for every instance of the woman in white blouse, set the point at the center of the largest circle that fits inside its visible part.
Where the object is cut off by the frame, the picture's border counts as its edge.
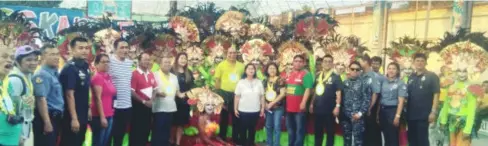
(249, 104)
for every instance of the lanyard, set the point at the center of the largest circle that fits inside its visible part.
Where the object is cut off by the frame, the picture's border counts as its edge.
(271, 84)
(327, 76)
(163, 78)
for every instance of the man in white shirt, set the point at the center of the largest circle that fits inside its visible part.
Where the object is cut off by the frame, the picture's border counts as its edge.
(164, 105)
(121, 72)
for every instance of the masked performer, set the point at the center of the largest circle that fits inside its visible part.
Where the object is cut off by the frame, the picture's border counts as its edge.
(208, 104)
(459, 109)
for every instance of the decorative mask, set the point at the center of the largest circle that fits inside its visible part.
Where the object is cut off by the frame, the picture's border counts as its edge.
(207, 101)
(195, 55)
(467, 59)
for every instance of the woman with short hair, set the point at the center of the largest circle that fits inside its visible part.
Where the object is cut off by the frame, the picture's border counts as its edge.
(249, 104)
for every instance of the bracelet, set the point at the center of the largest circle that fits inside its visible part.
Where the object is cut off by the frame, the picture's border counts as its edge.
(338, 105)
(144, 102)
(397, 115)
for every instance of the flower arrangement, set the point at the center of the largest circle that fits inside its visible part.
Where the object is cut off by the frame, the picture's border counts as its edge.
(211, 128)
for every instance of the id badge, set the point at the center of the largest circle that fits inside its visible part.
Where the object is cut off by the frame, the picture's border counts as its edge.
(233, 77)
(169, 90)
(320, 89)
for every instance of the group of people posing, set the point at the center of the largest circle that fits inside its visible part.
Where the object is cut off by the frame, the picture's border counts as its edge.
(58, 107)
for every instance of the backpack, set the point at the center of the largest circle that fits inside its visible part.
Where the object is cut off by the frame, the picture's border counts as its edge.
(24, 89)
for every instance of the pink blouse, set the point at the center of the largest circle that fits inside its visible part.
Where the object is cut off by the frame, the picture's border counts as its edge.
(103, 80)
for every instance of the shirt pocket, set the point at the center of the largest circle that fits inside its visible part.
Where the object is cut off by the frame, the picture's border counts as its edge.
(57, 87)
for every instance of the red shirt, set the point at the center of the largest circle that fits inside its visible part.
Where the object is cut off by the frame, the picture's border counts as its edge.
(143, 81)
(296, 84)
(108, 92)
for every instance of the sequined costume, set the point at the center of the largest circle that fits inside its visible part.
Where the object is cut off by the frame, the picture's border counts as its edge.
(458, 113)
(356, 100)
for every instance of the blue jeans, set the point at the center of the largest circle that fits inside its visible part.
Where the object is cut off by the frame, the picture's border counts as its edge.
(100, 135)
(295, 123)
(161, 129)
(273, 126)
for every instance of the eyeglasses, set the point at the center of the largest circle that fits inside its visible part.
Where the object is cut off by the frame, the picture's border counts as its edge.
(355, 69)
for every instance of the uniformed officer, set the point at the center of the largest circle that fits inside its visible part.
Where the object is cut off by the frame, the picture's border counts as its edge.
(394, 92)
(75, 81)
(355, 106)
(423, 97)
(49, 95)
(326, 102)
(373, 79)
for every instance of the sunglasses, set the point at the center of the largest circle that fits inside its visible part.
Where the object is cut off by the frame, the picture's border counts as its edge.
(355, 69)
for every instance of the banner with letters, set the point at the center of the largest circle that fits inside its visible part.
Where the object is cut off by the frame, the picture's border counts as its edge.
(52, 20)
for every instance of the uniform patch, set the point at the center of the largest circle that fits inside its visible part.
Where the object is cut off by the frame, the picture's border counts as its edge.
(38, 80)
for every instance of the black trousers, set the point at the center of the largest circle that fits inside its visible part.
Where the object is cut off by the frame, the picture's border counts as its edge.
(140, 124)
(322, 121)
(41, 139)
(224, 117)
(122, 118)
(247, 132)
(68, 137)
(372, 133)
(162, 128)
(418, 132)
(390, 132)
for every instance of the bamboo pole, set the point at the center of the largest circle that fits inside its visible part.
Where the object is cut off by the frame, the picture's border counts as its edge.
(385, 24)
(415, 21)
(427, 17)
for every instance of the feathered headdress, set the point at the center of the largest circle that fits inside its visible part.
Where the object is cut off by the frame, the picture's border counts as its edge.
(232, 23)
(185, 28)
(465, 51)
(205, 96)
(216, 47)
(309, 26)
(257, 30)
(343, 49)
(204, 15)
(254, 51)
(288, 51)
(404, 49)
(15, 31)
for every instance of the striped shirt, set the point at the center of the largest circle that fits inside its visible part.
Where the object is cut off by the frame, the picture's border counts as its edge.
(121, 72)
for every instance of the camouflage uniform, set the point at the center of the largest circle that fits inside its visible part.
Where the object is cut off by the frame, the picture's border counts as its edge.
(356, 99)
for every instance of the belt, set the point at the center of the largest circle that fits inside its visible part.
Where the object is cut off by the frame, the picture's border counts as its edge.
(388, 106)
